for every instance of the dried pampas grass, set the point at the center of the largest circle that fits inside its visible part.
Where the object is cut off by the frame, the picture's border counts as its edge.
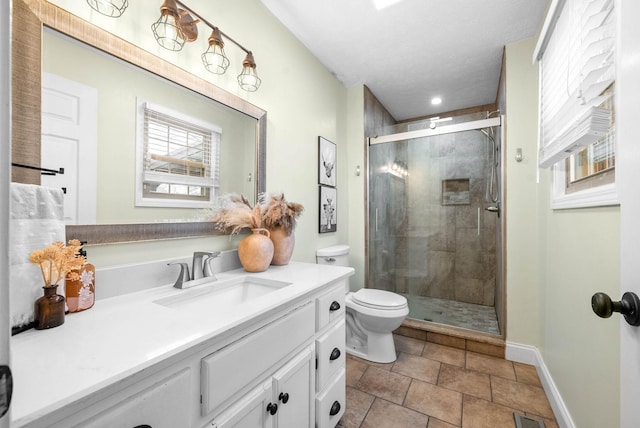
(233, 213)
(277, 212)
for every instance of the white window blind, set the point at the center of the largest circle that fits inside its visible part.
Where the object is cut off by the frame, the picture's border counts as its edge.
(577, 64)
(179, 158)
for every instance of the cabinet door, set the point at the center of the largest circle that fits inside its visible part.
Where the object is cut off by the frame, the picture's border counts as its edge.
(249, 412)
(293, 391)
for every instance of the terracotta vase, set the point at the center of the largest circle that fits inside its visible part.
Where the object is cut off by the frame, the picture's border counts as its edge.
(256, 251)
(49, 309)
(283, 244)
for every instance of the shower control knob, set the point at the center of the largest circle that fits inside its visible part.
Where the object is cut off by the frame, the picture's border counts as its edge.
(629, 307)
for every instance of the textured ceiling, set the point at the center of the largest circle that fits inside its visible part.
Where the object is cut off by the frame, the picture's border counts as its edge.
(413, 50)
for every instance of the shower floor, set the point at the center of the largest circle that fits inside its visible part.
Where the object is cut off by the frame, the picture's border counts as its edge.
(457, 314)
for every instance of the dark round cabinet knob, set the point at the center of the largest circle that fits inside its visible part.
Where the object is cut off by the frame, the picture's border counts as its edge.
(284, 397)
(629, 307)
(335, 408)
(334, 306)
(272, 408)
(143, 426)
(335, 354)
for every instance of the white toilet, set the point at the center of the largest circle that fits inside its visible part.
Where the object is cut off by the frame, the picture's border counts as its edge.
(372, 315)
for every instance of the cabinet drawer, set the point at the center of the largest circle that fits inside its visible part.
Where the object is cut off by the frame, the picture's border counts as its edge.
(330, 306)
(330, 352)
(226, 372)
(331, 403)
(163, 405)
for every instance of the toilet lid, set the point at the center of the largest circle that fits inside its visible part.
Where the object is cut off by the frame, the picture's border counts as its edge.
(379, 299)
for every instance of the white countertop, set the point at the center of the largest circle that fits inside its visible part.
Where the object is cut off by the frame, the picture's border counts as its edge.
(123, 335)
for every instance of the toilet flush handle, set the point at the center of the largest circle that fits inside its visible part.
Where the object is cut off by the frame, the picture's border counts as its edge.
(329, 259)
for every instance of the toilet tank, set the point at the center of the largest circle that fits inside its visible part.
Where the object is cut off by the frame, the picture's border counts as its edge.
(337, 255)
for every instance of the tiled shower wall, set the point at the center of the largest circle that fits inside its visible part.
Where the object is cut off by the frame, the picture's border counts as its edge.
(421, 246)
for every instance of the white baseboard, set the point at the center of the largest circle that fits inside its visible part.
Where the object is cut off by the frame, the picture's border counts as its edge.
(527, 354)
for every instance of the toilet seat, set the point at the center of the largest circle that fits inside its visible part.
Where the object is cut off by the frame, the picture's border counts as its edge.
(379, 299)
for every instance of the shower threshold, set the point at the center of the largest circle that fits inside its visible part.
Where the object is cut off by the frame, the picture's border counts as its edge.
(457, 314)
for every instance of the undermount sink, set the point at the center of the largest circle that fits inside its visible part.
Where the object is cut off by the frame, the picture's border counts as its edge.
(222, 294)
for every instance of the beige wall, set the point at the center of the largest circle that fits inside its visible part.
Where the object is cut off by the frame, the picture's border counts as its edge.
(302, 99)
(556, 260)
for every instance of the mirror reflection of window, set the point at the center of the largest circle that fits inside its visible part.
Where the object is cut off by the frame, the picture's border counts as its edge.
(178, 158)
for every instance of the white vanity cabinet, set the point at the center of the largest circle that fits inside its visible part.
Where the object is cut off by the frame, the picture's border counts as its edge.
(316, 374)
(278, 364)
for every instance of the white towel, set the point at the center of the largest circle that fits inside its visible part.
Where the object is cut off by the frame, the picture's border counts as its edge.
(37, 220)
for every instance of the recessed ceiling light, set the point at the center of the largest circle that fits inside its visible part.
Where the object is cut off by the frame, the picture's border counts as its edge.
(381, 4)
(436, 100)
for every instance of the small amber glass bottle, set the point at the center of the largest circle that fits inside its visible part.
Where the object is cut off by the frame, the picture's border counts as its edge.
(49, 309)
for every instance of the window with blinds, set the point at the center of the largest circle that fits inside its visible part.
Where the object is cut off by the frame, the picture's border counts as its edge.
(577, 66)
(178, 158)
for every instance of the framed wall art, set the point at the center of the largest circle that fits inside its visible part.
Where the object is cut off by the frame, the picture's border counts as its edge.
(328, 209)
(326, 162)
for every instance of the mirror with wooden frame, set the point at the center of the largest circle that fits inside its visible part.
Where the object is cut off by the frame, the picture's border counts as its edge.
(31, 18)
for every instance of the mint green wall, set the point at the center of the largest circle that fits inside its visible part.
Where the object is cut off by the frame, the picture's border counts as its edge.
(556, 260)
(302, 98)
(522, 197)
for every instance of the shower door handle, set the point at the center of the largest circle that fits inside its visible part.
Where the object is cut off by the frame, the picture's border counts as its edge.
(376, 221)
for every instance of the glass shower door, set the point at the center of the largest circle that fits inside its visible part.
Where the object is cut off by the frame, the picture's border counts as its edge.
(431, 238)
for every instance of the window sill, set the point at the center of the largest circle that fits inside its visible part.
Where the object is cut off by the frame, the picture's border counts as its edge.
(600, 196)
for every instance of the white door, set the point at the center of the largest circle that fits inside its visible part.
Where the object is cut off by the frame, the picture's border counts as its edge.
(628, 178)
(69, 141)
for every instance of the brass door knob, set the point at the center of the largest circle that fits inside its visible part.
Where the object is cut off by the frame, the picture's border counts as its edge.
(629, 307)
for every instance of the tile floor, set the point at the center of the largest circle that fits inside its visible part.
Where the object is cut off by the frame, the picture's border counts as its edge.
(436, 386)
(450, 312)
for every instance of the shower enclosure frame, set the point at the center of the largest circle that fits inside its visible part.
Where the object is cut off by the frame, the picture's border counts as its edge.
(501, 259)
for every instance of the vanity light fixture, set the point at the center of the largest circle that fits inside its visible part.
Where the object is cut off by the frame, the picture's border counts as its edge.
(177, 26)
(110, 8)
(174, 27)
(214, 58)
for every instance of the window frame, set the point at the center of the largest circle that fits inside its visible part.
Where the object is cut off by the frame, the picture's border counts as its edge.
(167, 201)
(599, 196)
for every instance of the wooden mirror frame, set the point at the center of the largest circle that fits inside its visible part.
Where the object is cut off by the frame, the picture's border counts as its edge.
(28, 19)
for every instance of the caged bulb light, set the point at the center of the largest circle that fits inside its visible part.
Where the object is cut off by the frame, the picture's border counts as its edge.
(248, 79)
(110, 8)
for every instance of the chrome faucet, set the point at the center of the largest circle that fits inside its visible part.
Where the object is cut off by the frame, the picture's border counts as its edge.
(201, 264)
(200, 268)
(184, 277)
(207, 270)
